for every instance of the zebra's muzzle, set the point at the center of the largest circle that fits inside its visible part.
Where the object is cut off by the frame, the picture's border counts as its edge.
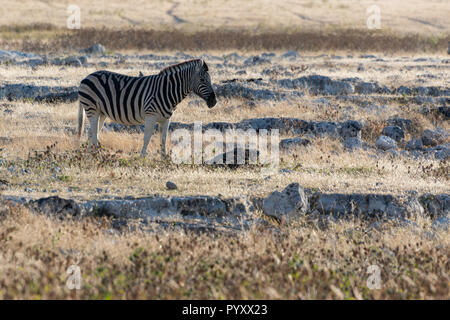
(211, 102)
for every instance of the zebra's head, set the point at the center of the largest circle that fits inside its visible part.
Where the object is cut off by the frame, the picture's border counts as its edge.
(201, 85)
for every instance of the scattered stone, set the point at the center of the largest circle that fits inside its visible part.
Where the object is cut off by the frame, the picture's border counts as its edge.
(413, 208)
(37, 62)
(268, 54)
(352, 144)
(290, 203)
(422, 91)
(436, 205)
(442, 154)
(14, 56)
(445, 111)
(414, 144)
(385, 143)
(171, 185)
(404, 90)
(367, 87)
(394, 132)
(294, 142)
(317, 84)
(441, 223)
(392, 152)
(256, 60)
(239, 89)
(368, 56)
(95, 49)
(290, 55)
(350, 129)
(405, 124)
(73, 62)
(434, 137)
(236, 157)
(83, 60)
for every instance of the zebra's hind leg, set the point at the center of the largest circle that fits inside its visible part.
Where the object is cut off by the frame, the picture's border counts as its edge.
(150, 122)
(101, 121)
(93, 128)
(163, 128)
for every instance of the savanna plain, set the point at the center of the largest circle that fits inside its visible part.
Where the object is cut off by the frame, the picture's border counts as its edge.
(357, 207)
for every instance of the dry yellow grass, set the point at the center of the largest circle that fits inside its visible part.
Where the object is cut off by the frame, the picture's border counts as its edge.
(417, 26)
(299, 261)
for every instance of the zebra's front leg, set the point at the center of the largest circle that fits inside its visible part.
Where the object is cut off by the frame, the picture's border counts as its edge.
(149, 128)
(163, 128)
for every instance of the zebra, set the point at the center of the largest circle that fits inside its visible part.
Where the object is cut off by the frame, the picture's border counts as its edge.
(141, 100)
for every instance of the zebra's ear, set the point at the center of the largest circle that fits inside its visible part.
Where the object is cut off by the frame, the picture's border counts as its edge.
(205, 66)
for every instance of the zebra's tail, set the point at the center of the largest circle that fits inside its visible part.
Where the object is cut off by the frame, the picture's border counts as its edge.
(80, 120)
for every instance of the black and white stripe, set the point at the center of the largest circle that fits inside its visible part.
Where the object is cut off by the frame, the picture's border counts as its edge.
(137, 100)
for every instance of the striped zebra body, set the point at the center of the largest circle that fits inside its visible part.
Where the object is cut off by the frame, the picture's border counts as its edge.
(141, 100)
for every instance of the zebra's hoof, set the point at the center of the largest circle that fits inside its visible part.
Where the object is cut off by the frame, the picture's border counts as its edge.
(164, 157)
(93, 149)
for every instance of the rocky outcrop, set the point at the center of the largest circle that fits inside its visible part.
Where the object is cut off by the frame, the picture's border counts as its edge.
(38, 93)
(294, 126)
(241, 212)
(56, 206)
(378, 206)
(350, 205)
(287, 204)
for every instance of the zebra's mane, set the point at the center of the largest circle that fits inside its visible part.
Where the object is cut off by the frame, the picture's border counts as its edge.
(180, 66)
